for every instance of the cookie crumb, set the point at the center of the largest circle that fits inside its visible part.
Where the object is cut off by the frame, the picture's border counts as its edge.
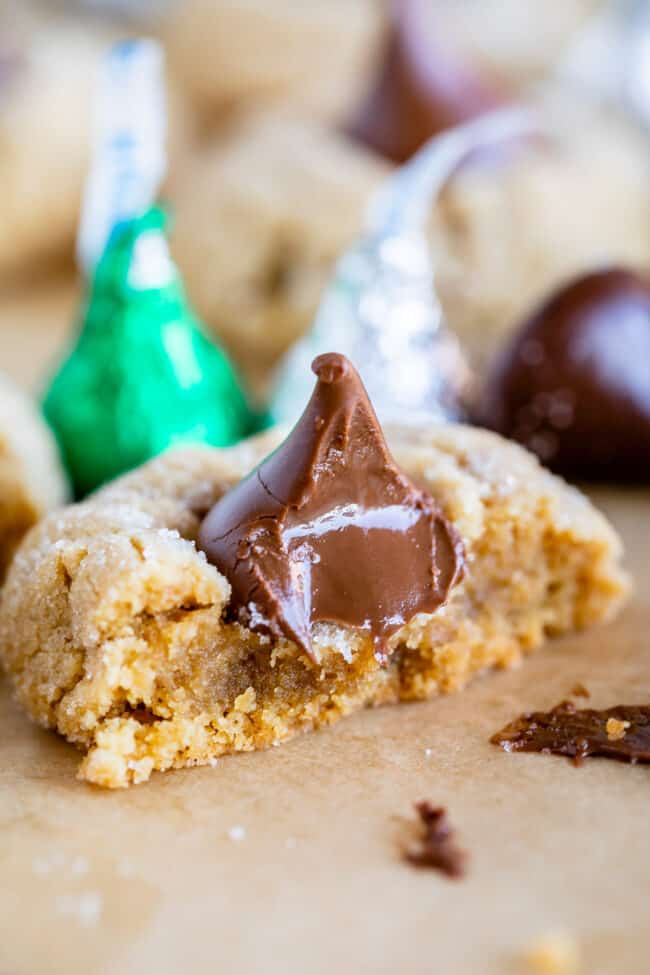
(437, 848)
(554, 954)
(246, 702)
(616, 729)
(579, 690)
(236, 833)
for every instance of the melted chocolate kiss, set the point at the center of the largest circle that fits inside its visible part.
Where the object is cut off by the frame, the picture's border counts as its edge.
(425, 86)
(621, 732)
(574, 385)
(329, 529)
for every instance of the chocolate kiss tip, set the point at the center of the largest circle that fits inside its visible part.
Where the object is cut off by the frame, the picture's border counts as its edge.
(331, 367)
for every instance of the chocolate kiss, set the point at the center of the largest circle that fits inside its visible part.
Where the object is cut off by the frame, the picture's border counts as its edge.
(329, 529)
(574, 385)
(424, 87)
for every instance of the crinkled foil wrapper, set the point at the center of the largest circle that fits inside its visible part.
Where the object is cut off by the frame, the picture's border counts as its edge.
(142, 376)
(382, 312)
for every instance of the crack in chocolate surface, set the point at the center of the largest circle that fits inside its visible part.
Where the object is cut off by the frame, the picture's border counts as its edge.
(437, 848)
(579, 733)
(329, 529)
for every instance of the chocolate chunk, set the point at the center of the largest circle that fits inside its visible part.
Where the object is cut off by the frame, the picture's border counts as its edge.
(437, 848)
(425, 86)
(574, 384)
(622, 733)
(329, 529)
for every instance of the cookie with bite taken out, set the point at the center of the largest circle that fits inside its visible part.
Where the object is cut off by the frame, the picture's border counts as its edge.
(219, 601)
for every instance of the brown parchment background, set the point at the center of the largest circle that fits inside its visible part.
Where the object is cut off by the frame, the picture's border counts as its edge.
(149, 880)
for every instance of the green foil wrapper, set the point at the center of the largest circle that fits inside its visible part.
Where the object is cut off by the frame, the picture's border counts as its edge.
(142, 376)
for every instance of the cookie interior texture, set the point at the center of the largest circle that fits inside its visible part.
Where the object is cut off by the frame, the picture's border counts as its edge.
(31, 477)
(112, 623)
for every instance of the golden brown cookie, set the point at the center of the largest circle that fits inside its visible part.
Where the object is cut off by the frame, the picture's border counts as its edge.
(315, 53)
(112, 623)
(31, 477)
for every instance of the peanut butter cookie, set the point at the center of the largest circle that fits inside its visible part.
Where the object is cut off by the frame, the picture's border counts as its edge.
(115, 630)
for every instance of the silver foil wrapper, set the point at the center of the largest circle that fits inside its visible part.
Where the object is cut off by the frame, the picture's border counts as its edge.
(382, 313)
(381, 309)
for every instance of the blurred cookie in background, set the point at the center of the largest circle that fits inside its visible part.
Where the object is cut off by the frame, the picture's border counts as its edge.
(325, 56)
(48, 67)
(44, 140)
(507, 234)
(31, 476)
(316, 54)
(264, 213)
(522, 39)
(261, 219)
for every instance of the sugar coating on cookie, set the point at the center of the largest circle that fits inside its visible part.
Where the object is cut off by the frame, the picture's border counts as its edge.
(112, 624)
(31, 477)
